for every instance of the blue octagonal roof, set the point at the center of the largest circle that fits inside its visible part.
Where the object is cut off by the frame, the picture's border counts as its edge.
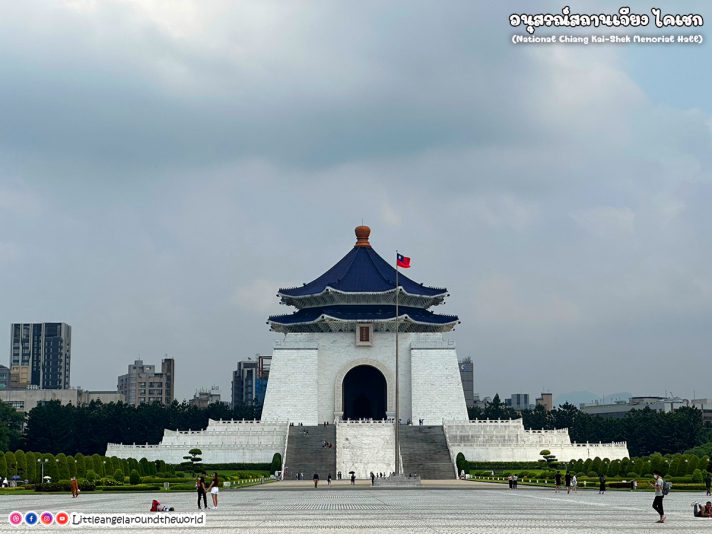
(362, 270)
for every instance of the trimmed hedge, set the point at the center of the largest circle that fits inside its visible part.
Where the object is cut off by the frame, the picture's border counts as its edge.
(137, 487)
(63, 485)
(224, 467)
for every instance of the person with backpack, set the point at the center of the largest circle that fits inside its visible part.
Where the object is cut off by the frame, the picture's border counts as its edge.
(661, 489)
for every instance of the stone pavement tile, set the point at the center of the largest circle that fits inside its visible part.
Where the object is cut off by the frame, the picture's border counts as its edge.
(462, 509)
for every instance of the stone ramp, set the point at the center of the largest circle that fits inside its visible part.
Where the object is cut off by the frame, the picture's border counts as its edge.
(306, 455)
(424, 451)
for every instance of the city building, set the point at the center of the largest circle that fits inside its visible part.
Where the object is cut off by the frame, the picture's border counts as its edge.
(40, 355)
(362, 333)
(467, 375)
(24, 400)
(4, 377)
(142, 384)
(205, 397)
(519, 402)
(618, 409)
(546, 400)
(705, 405)
(249, 380)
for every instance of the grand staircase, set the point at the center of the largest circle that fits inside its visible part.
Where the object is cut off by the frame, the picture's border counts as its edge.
(424, 452)
(306, 455)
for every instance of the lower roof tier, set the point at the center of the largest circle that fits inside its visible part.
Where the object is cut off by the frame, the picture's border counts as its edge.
(345, 318)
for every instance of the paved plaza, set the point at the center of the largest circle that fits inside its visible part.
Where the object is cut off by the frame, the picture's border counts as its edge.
(449, 507)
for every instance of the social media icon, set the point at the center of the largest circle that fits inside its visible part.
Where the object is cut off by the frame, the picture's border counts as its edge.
(15, 518)
(62, 518)
(31, 518)
(46, 518)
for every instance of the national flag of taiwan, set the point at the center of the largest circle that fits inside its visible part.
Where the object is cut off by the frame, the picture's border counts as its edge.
(402, 261)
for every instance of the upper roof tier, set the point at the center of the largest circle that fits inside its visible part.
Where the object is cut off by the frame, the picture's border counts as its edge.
(362, 277)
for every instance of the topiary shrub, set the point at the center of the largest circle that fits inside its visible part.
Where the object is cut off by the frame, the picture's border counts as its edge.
(119, 476)
(91, 475)
(697, 475)
(134, 477)
(276, 463)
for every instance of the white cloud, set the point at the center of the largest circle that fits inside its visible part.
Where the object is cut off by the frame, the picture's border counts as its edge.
(606, 221)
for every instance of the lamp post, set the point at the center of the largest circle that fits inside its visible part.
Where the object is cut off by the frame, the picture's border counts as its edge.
(42, 462)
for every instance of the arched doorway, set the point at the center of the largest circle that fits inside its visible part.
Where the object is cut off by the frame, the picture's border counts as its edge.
(364, 391)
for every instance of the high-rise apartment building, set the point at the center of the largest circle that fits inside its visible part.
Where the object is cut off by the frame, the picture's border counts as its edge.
(40, 355)
(142, 384)
(467, 375)
(4, 377)
(546, 400)
(249, 380)
(518, 401)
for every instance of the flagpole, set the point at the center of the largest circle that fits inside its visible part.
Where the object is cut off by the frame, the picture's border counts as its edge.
(397, 444)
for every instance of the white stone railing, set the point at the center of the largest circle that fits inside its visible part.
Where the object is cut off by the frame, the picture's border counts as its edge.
(612, 444)
(177, 446)
(366, 422)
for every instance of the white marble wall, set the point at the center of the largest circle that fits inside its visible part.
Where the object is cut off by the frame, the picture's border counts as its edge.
(293, 387)
(365, 447)
(220, 442)
(437, 393)
(308, 370)
(508, 441)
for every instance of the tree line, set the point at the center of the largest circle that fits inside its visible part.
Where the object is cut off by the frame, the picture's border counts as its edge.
(646, 431)
(54, 428)
(33, 466)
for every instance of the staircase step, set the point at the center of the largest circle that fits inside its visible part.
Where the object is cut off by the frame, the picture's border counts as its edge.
(424, 451)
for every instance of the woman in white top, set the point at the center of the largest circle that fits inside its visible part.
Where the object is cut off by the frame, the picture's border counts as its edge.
(214, 490)
(574, 483)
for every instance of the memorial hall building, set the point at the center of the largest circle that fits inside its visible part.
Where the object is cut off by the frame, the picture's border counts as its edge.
(333, 379)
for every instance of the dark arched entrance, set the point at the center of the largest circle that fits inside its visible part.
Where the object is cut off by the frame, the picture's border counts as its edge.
(364, 390)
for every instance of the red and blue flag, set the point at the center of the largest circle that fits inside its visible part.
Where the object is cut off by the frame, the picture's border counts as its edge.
(402, 261)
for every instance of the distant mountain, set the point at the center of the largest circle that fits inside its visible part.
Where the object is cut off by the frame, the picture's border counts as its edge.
(579, 397)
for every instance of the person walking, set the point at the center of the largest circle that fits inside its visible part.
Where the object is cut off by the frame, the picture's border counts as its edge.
(708, 483)
(557, 482)
(567, 482)
(373, 479)
(515, 481)
(200, 487)
(574, 483)
(353, 478)
(315, 478)
(659, 486)
(214, 490)
(75, 487)
(328, 480)
(601, 484)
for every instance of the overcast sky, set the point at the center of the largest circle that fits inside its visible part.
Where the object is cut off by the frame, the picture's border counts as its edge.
(166, 166)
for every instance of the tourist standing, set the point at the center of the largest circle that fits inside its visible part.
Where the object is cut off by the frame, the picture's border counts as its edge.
(373, 479)
(509, 479)
(515, 481)
(353, 478)
(574, 483)
(328, 480)
(708, 482)
(659, 485)
(557, 482)
(601, 484)
(315, 478)
(75, 487)
(567, 482)
(214, 490)
(200, 487)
